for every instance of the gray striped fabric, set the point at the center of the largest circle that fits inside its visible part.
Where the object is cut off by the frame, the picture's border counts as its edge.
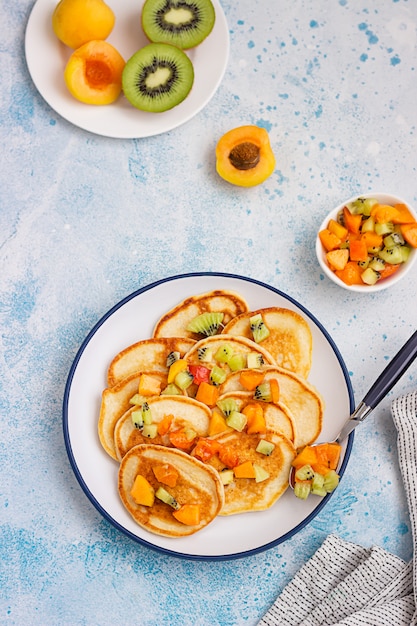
(344, 584)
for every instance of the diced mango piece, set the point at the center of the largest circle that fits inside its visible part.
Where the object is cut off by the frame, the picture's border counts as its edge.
(337, 259)
(178, 366)
(188, 514)
(149, 385)
(244, 470)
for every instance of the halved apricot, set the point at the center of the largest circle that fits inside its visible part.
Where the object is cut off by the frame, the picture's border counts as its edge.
(93, 73)
(244, 156)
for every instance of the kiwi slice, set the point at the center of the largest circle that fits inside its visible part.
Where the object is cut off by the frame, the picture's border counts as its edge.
(182, 23)
(157, 77)
(207, 323)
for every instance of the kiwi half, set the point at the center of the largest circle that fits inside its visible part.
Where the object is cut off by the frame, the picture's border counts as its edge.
(182, 23)
(157, 77)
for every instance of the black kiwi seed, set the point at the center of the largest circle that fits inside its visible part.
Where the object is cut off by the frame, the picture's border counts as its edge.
(183, 23)
(157, 77)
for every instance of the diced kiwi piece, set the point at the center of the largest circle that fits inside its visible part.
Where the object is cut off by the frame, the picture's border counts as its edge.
(261, 473)
(227, 405)
(258, 328)
(150, 431)
(302, 490)
(173, 356)
(137, 419)
(368, 225)
(137, 399)
(227, 476)
(165, 496)
(265, 447)
(157, 77)
(317, 485)
(236, 420)
(263, 392)
(254, 360)
(184, 23)
(405, 252)
(171, 390)
(217, 376)
(331, 481)
(237, 362)
(362, 205)
(377, 264)
(384, 229)
(183, 379)
(394, 239)
(305, 472)
(205, 354)
(364, 264)
(223, 353)
(391, 255)
(370, 276)
(146, 413)
(207, 324)
(190, 434)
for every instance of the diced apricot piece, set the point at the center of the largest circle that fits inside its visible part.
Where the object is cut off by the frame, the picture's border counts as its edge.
(351, 274)
(166, 474)
(337, 229)
(256, 420)
(389, 270)
(188, 514)
(244, 470)
(178, 366)
(337, 259)
(372, 240)
(149, 385)
(383, 213)
(165, 424)
(93, 73)
(352, 220)
(404, 215)
(409, 232)
(307, 456)
(142, 491)
(329, 240)
(358, 250)
(207, 394)
(250, 379)
(217, 424)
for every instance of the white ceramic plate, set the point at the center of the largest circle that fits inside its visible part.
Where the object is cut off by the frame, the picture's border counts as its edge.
(46, 58)
(133, 319)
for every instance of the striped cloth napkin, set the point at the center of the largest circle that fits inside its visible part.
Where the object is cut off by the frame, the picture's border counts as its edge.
(344, 584)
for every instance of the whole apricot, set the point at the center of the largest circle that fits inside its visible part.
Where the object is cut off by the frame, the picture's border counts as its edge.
(93, 73)
(75, 22)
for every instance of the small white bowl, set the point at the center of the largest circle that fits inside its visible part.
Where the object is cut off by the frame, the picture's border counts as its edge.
(383, 198)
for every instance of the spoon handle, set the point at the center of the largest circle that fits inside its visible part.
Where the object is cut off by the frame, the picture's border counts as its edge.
(383, 384)
(392, 373)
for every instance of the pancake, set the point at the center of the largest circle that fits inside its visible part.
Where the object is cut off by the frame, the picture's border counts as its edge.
(197, 484)
(186, 413)
(115, 401)
(302, 399)
(290, 340)
(148, 354)
(245, 495)
(240, 345)
(174, 322)
(278, 417)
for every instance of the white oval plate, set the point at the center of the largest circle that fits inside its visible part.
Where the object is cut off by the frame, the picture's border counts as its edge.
(46, 58)
(133, 319)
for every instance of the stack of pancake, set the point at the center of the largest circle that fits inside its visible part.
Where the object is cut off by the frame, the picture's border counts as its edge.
(181, 421)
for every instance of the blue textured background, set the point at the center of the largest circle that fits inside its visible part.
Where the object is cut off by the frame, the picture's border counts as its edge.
(86, 220)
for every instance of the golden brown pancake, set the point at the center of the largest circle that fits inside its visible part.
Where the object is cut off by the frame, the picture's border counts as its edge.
(245, 495)
(239, 344)
(290, 340)
(302, 399)
(146, 355)
(115, 401)
(278, 417)
(197, 484)
(186, 412)
(174, 323)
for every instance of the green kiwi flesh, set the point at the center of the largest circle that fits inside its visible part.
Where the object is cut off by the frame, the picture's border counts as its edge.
(182, 23)
(157, 77)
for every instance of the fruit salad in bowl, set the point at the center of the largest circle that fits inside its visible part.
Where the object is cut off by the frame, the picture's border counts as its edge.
(368, 243)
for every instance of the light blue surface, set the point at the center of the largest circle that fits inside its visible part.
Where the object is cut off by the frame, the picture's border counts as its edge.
(86, 220)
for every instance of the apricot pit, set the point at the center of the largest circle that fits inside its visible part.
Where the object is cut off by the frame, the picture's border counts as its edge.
(93, 73)
(244, 156)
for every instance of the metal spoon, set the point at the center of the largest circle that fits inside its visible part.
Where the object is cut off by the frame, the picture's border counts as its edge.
(383, 384)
